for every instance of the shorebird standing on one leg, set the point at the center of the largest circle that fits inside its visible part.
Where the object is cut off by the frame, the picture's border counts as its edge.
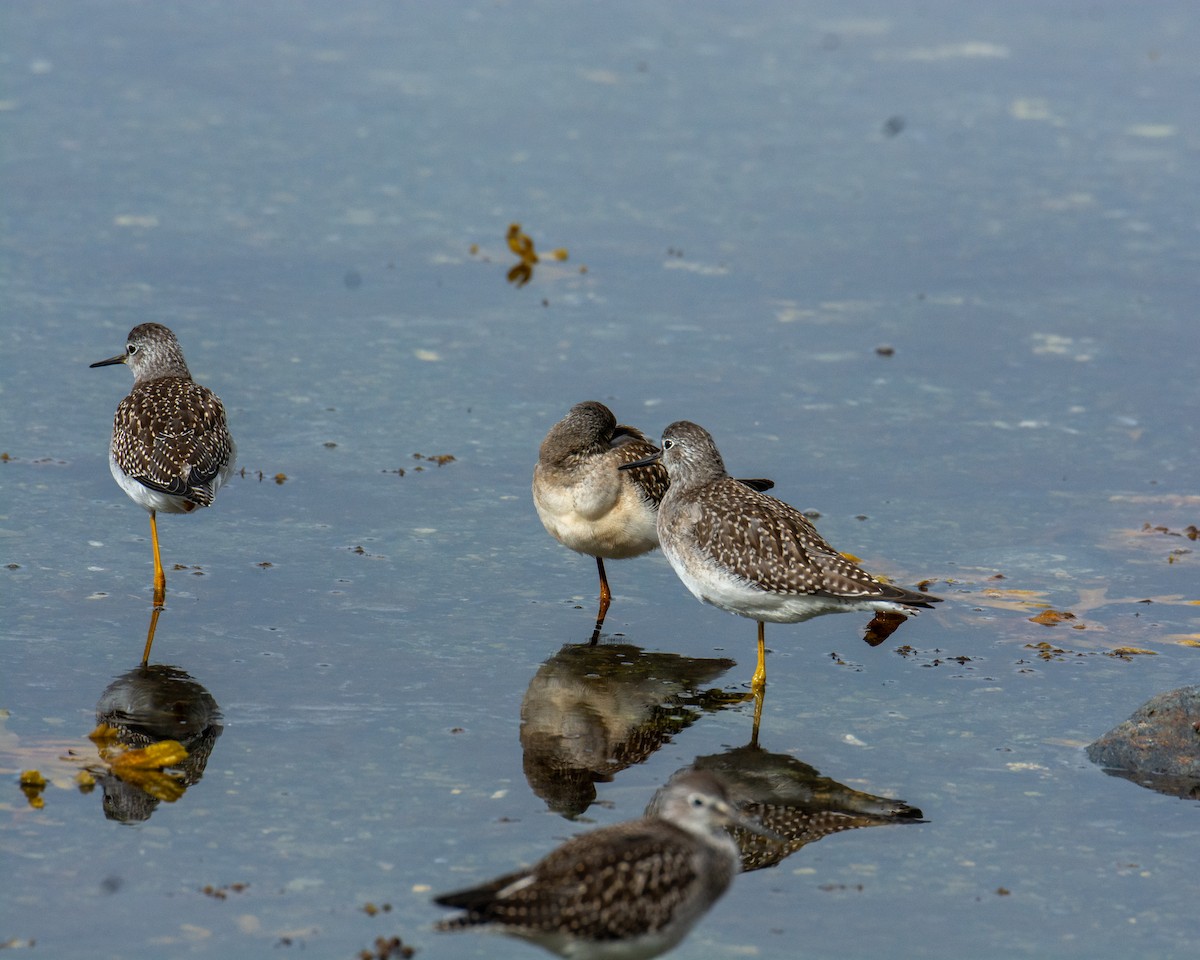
(753, 555)
(171, 449)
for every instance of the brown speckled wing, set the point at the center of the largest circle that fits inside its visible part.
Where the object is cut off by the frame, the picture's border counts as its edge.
(170, 435)
(585, 887)
(776, 547)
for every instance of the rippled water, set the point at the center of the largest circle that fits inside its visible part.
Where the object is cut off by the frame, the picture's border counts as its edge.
(754, 201)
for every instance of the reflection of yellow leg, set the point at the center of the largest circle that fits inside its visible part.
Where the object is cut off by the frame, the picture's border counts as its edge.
(759, 683)
(160, 578)
(758, 705)
(150, 634)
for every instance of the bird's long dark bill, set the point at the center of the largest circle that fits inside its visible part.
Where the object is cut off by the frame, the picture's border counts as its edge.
(644, 462)
(119, 358)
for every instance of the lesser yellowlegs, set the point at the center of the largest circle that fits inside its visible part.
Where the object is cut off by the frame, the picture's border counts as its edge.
(631, 890)
(753, 555)
(590, 494)
(171, 449)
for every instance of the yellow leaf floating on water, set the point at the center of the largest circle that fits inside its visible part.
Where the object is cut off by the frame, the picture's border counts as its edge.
(882, 626)
(1047, 651)
(32, 785)
(1051, 617)
(521, 243)
(1126, 652)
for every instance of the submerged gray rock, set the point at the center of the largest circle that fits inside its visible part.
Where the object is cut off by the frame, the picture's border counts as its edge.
(1158, 746)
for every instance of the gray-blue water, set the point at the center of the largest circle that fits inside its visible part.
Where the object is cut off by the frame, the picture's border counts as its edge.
(755, 198)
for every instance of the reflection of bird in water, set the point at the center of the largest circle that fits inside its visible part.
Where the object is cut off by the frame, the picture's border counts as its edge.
(592, 711)
(148, 705)
(753, 555)
(171, 449)
(631, 890)
(793, 801)
(589, 496)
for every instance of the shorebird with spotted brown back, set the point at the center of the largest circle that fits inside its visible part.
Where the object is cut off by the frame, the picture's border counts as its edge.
(624, 892)
(753, 555)
(171, 449)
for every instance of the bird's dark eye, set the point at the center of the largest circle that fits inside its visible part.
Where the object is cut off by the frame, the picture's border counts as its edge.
(131, 349)
(697, 800)
(668, 444)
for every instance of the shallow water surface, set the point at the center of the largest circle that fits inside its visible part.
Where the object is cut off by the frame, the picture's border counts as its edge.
(933, 271)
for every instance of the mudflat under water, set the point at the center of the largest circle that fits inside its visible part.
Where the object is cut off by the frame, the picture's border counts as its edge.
(933, 271)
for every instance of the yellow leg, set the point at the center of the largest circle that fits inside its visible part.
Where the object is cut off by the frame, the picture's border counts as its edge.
(759, 683)
(150, 635)
(160, 578)
(605, 600)
(605, 593)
